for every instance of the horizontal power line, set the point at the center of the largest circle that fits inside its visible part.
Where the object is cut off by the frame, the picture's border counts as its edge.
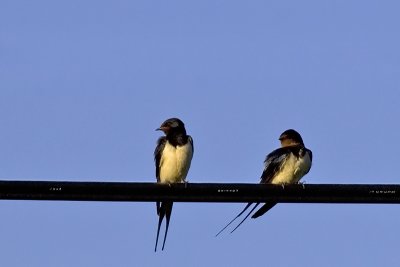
(199, 192)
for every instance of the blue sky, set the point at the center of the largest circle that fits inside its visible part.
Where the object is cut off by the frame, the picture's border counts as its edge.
(83, 85)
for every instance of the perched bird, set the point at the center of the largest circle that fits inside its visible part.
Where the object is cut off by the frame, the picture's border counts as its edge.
(172, 157)
(285, 165)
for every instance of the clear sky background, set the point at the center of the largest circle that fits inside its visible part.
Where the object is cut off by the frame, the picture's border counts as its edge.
(83, 85)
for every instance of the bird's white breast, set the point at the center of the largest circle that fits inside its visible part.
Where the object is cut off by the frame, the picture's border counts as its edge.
(293, 169)
(175, 163)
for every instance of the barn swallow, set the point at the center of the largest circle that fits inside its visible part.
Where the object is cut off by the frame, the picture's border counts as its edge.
(285, 165)
(172, 156)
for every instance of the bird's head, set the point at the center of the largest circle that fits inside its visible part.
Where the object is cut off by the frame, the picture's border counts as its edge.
(290, 138)
(173, 125)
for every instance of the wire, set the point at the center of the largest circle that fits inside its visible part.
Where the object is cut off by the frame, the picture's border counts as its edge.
(200, 192)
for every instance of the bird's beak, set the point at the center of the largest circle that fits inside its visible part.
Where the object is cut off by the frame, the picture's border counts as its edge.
(162, 129)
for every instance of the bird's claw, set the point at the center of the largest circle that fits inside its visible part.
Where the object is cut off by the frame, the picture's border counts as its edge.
(302, 184)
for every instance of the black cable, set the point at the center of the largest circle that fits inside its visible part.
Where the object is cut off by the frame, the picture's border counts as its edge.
(200, 192)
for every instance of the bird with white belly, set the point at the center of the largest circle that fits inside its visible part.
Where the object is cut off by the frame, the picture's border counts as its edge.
(172, 156)
(285, 165)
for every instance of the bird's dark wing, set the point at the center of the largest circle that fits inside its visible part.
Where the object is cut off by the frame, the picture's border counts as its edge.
(157, 154)
(157, 159)
(266, 207)
(310, 154)
(190, 139)
(273, 163)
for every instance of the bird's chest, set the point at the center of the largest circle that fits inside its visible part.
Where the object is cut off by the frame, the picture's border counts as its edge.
(175, 163)
(293, 169)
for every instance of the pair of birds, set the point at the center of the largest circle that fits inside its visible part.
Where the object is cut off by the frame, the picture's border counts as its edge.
(174, 152)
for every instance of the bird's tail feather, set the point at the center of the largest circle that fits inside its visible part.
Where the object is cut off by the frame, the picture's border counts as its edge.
(158, 207)
(161, 214)
(245, 217)
(168, 211)
(237, 216)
